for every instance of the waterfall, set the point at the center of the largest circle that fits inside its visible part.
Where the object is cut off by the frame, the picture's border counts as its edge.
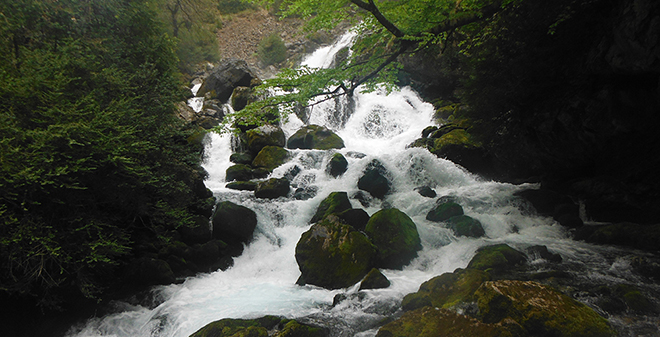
(262, 280)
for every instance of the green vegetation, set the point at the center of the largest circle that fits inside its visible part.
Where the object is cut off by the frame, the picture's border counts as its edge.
(271, 49)
(92, 157)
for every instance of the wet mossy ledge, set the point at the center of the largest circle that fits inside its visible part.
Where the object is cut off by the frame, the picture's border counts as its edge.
(267, 326)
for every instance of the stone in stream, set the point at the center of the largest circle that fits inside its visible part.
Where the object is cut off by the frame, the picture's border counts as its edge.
(375, 180)
(396, 237)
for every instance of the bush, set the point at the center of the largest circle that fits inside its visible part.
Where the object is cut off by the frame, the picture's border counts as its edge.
(272, 50)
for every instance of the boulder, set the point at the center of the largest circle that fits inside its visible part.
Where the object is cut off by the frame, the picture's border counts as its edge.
(233, 223)
(463, 225)
(229, 74)
(543, 253)
(337, 165)
(496, 259)
(241, 97)
(374, 280)
(242, 185)
(259, 327)
(446, 290)
(315, 137)
(539, 309)
(272, 188)
(396, 237)
(444, 211)
(332, 255)
(200, 232)
(264, 136)
(241, 158)
(426, 191)
(149, 271)
(238, 172)
(375, 180)
(335, 202)
(434, 322)
(355, 217)
(270, 157)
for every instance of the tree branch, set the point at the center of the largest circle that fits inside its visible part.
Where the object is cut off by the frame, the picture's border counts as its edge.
(371, 7)
(483, 13)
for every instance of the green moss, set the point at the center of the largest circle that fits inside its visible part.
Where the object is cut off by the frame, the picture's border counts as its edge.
(232, 327)
(270, 157)
(295, 329)
(540, 309)
(496, 258)
(463, 225)
(335, 202)
(633, 298)
(444, 211)
(447, 290)
(396, 237)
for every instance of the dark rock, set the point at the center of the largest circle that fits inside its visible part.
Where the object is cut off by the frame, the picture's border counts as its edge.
(396, 237)
(270, 157)
(624, 234)
(149, 271)
(444, 211)
(335, 202)
(541, 310)
(446, 290)
(241, 158)
(374, 280)
(315, 137)
(426, 191)
(260, 172)
(198, 233)
(542, 252)
(241, 97)
(272, 188)
(242, 185)
(545, 201)
(496, 259)
(305, 193)
(337, 165)
(266, 135)
(428, 130)
(355, 217)
(229, 74)
(375, 180)
(463, 225)
(233, 223)
(332, 255)
(260, 327)
(364, 199)
(292, 172)
(238, 172)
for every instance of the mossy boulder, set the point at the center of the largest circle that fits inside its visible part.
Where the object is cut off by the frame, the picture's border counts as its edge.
(242, 185)
(426, 191)
(624, 234)
(634, 299)
(355, 217)
(241, 97)
(542, 252)
(434, 322)
(332, 255)
(444, 211)
(540, 309)
(270, 157)
(240, 172)
(293, 328)
(374, 280)
(396, 237)
(446, 290)
(315, 137)
(229, 74)
(260, 327)
(463, 225)
(496, 258)
(337, 165)
(241, 158)
(233, 223)
(272, 188)
(375, 180)
(265, 135)
(335, 202)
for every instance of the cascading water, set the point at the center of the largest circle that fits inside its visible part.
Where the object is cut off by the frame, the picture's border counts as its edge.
(262, 280)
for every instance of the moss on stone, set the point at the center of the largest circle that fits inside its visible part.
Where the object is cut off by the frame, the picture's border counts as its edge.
(496, 258)
(634, 299)
(396, 237)
(315, 137)
(270, 157)
(335, 202)
(463, 225)
(444, 211)
(295, 329)
(374, 280)
(446, 290)
(232, 327)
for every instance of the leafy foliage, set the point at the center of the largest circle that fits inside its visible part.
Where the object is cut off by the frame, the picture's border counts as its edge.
(271, 49)
(91, 154)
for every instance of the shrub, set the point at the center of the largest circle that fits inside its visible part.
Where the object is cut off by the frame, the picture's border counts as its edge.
(271, 49)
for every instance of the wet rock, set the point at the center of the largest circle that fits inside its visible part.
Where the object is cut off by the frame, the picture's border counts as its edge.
(463, 225)
(332, 255)
(241, 97)
(434, 322)
(335, 202)
(426, 191)
(242, 185)
(541, 310)
(374, 280)
(270, 157)
(375, 180)
(446, 290)
(229, 74)
(260, 327)
(241, 158)
(624, 234)
(315, 137)
(545, 201)
(542, 252)
(355, 217)
(272, 188)
(305, 193)
(444, 211)
(337, 165)
(233, 223)
(634, 299)
(292, 172)
(149, 271)
(428, 130)
(496, 259)
(198, 233)
(396, 237)
(238, 172)
(266, 135)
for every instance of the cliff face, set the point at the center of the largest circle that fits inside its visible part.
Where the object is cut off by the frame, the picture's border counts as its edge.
(585, 113)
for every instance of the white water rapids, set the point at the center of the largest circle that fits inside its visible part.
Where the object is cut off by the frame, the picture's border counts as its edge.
(262, 280)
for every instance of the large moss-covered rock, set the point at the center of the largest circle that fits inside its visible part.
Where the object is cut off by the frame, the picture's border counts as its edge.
(496, 258)
(374, 280)
(233, 223)
(238, 172)
(463, 225)
(260, 327)
(229, 74)
(355, 217)
(315, 137)
(396, 237)
(541, 310)
(242, 185)
(375, 180)
(333, 255)
(335, 202)
(270, 157)
(337, 165)
(293, 328)
(444, 211)
(240, 97)
(266, 135)
(434, 322)
(272, 188)
(446, 290)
